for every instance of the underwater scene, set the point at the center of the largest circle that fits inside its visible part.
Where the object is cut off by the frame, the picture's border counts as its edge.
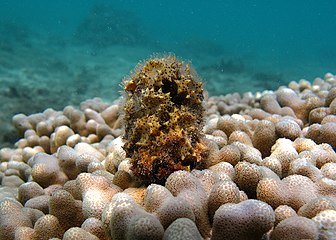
(130, 119)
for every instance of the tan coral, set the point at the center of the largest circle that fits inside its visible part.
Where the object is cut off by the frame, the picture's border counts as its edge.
(67, 160)
(326, 187)
(224, 170)
(68, 210)
(323, 133)
(247, 177)
(318, 114)
(284, 151)
(295, 228)
(46, 170)
(250, 219)
(329, 170)
(21, 123)
(270, 104)
(219, 137)
(97, 192)
(25, 233)
(59, 137)
(207, 178)
(12, 217)
(248, 153)
(303, 144)
(85, 148)
(283, 212)
(128, 220)
(273, 164)
(95, 227)
(165, 206)
(228, 153)
(39, 202)
(287, 128)
(315, 206)
(172, 209)
(182, 228)
(287, 97)
(78, 233)
(72, 187)
(264, 137)
(145, 226)
(84, 160)
(221, 193)
(326, 223)
(294, 191)
(304, 167)
(185, 185)
(110, 115)
(48, 227)
(229, 124)
(137, 193)
(240, 136)
(324, 153)
(331, 96)
(155, 196)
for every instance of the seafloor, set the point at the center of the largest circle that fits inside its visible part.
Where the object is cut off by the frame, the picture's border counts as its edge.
(270, 174)
(39, 71)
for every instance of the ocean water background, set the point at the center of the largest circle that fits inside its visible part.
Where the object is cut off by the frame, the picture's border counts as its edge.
(56, 53)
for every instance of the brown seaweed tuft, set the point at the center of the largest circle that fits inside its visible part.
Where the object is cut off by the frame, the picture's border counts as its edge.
(163, 115)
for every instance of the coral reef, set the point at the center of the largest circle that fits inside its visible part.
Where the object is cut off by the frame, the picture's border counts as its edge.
(270, 171)
(163, 116)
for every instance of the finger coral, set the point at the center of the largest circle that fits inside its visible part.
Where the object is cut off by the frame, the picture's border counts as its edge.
(294, 191)
(182, 228)
(326, 223)
(129, 221)
(163, 116)
(78, 233)
(141, 167)
(251, 218)
(283, 212)
(11, 217)
(295, 228)
(188, 187)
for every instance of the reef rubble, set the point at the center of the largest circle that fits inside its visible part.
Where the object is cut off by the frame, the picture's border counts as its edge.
(270, 173)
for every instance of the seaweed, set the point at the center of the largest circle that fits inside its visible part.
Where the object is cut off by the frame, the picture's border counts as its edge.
(163, 117)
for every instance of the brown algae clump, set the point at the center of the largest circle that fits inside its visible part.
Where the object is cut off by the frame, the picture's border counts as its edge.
(163, 114)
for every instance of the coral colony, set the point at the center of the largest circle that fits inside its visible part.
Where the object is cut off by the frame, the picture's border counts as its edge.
(164, 162)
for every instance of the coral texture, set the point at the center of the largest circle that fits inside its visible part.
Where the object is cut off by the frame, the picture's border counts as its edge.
(270, 172)
(163, 118)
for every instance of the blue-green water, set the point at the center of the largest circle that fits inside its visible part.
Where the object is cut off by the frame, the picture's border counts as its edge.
(88, 46)
(290, 38)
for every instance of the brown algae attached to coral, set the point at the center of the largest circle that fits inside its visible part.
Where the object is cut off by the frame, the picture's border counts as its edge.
(163, 116)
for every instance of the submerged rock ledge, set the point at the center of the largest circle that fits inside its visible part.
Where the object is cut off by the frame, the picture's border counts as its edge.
(271, 173)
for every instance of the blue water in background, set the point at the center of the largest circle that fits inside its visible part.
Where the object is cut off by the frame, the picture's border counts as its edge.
(289, 39)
